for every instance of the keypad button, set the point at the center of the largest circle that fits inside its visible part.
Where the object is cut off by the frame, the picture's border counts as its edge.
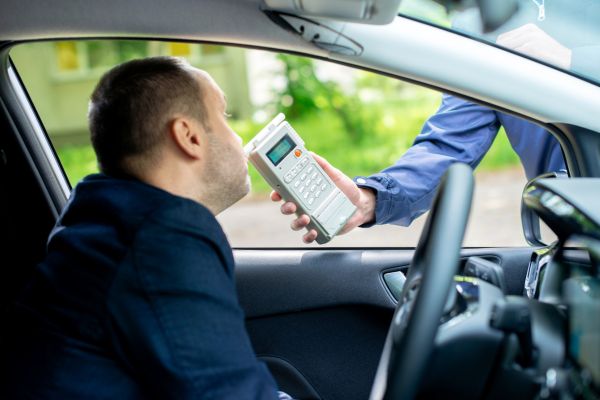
(307, 182)
(310, 169)
(323, 187)
(305, 195)
(313, 188)
(303, 177)
(301, 189)
(317, 193)
(288, 177)
(319, 181)
(296, 184)
(314, 176)
(311, 200)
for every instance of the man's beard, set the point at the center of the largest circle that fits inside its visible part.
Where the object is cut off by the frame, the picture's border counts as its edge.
(225, 185)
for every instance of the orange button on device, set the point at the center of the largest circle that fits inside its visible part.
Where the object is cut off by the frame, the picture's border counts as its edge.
(298, 152)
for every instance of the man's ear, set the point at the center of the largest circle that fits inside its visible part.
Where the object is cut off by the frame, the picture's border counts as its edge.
(186, 135)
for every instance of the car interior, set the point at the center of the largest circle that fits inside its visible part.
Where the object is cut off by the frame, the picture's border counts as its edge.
(435, 321)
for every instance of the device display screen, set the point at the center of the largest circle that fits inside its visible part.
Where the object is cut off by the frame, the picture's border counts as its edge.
(280, 150)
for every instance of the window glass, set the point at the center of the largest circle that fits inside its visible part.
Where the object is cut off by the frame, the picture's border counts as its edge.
(359, 121)
(561, 33)
(67, 58)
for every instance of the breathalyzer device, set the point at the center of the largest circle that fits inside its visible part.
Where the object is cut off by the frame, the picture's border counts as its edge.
(279, 155)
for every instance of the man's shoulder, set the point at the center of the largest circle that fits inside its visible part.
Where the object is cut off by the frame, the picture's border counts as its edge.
(183, 229)
(187, 217)
(183, 213)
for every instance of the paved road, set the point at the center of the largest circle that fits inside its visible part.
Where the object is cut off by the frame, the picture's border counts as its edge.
(495, 220)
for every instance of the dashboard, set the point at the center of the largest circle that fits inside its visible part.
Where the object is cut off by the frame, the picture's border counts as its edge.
(545, 342)
(566, 274)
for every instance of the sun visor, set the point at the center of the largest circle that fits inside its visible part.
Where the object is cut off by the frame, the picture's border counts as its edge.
(375, 12)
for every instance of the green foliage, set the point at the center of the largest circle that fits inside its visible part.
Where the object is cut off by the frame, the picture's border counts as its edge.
(77, 161)
(302, 89)
(500, 154)
(305, 94)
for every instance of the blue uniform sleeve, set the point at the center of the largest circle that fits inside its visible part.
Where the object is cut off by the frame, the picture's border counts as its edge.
(177, 323)
(460, 131)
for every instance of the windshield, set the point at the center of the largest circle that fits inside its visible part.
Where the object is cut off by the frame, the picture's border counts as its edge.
(561, 33)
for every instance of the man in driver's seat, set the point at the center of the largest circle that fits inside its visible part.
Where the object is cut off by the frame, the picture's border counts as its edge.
(136, 297)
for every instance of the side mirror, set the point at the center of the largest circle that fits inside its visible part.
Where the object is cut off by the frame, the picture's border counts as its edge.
(529, 219)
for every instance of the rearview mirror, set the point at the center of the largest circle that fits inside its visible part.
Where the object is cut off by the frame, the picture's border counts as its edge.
(493, 13)
(376, 12)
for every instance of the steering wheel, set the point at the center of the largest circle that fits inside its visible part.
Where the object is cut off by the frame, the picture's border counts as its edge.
(430, 275)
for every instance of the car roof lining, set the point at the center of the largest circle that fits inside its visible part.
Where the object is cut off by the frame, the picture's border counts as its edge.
(226, 21)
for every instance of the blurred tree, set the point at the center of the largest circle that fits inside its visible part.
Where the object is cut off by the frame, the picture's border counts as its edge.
(305, 94)
(298, 96)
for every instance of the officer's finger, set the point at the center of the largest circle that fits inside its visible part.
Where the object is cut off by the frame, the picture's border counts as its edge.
(275, 196)
(288, 208)
(310, 236)
(328, 168)
(300, 222)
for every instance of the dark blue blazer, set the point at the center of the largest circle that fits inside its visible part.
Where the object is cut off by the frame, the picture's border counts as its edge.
(135, 299)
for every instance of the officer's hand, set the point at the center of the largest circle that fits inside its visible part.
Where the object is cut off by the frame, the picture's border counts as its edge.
(532, 41)
(363, 199)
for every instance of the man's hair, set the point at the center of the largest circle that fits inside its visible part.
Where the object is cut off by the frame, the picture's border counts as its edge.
(132, 105)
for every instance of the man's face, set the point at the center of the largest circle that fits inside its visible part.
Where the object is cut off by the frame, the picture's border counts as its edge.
(225, 169)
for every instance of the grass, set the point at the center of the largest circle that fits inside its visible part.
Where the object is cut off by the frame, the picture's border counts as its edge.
(392, 133)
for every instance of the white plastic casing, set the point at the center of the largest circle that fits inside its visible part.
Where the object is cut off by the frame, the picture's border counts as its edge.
(279, 155)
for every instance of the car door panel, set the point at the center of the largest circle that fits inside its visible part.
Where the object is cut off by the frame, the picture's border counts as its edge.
(319, 318)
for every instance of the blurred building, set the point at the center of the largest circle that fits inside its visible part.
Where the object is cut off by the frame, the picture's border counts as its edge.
(61, 90)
